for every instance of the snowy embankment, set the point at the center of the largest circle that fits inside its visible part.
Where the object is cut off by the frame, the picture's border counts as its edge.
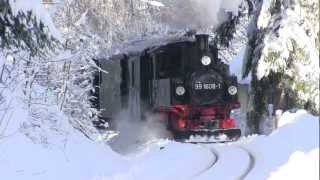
(49, 150)
(291, 152)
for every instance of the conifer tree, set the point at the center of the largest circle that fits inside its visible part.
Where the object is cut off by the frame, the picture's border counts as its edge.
(284, 57)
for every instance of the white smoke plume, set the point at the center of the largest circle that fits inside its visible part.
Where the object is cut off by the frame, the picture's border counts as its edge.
(197, 14)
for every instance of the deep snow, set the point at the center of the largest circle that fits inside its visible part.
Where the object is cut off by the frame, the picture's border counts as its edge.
(295, 145)
(51, 150)
(291, 152)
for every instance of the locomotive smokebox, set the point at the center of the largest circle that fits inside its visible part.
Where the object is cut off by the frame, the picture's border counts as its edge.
(202, 41)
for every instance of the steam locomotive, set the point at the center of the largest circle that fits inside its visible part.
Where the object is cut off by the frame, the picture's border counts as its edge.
(184, 82)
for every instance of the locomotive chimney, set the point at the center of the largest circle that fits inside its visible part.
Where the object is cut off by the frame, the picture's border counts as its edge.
(202, 41)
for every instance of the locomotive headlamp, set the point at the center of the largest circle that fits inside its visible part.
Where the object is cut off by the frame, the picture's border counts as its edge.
(206, 60)
(232, 90)
(180, 90)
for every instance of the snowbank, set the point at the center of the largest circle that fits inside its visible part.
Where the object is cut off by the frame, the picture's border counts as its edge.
(49, 149)
(291, 152)
(78, 159)
(166, 161)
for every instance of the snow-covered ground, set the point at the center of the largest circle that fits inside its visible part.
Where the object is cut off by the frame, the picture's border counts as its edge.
(52, 150)
(293, 146)
(48, 150)
(291, 152)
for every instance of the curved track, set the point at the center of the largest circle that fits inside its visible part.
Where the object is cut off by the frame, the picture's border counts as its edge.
(217, 157)
(211, 164)
(251, 163)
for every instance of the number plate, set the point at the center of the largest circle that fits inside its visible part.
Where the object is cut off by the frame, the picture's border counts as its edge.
(207, 86)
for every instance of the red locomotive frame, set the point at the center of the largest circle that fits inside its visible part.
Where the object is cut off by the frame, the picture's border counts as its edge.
(186, 120)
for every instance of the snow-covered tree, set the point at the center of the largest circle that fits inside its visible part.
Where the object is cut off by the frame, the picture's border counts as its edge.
(233, 34)
(34, 61)
(111, 22)
(284, 56)
(25, 45)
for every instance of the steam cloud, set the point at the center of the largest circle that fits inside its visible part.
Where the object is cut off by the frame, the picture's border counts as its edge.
(197, 14)
(135, 133)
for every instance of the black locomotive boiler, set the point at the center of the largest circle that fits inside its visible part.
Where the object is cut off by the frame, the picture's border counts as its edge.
(184, 81)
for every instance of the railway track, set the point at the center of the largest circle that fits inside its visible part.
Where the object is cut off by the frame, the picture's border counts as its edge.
(211, 164)
(250, 166)
(216, 159)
